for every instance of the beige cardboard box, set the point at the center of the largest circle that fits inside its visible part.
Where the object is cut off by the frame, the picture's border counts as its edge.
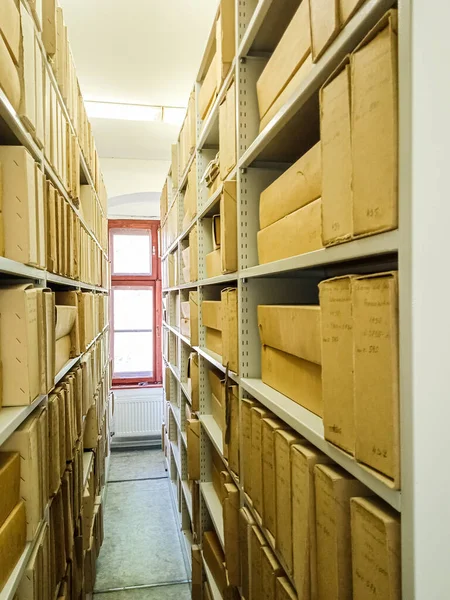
(193, 448)
(215, 559)
(9, 75)
(298, 379)
(230, 343)
(214, 263)
(52, 247)
(258, 414)
(12, 541)
(289, 55)
(9, 483)
(53, 432)
(19, 205)
(197, 573)
(334, 489)
(10, 28)
(246, 522)
(299, 232)
(231, 533)
(335, 130)
(269, 426)
(193, 377)
(208, 89)
(213, 341)
(190, 196)
(375, 326)
(292, 329)
(257, 542)
(193, 312)
(227, 133)
(290, 88)
(375, 129)
(186, 257)
(298, 186)
(270, 571)
(337, 362)
(62, 352)
(246, 425)
(225, 39)
(193, 245)
(27, 110)
(26, 441)
(228, 228)
(376, 549)
(283, 477)
(284, 590)
(185, 327)
(212, 314)
(19, 345)
(327, 20)
(304, 457)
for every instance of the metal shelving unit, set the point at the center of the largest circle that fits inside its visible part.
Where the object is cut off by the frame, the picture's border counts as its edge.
(417, 249)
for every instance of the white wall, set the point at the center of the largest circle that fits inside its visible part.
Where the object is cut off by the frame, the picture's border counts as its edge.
(134, 186)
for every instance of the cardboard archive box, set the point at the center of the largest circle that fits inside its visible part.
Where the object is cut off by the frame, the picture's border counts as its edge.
(27, 441)
(227, 132)
(190, 196)
(225, 39)
(246, 426)
(215, 559)
(193, 380)
(375, 327)
(291, 354)
(334, 489)
(269, 426)
(270, 571)
(289, 55)
(327, 20)
(212, 320)
(232, 427)
(376, 549)
(10, 47)
(283, 481)
(213, 262)
(230, 341)
(217, 386)
(22, 208)
(258, 414)
(228, 228)
(9, 483)
(294, 234)
(19, 335)
(208, 89)
(295, 188)
(197, 572)
(193, 245)
(246, 522)
(304, 457)
(193, 448)
(359, 144)
(193, 312)
(231, 532)
(12, 541)
(337, 362)
(375, 130)
(257, 543)
(335, 131)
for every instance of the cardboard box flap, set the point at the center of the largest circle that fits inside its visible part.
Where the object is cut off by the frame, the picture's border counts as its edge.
(292, 329)
(212, 314)
(325, 25)
(390, 19)
(65, 320)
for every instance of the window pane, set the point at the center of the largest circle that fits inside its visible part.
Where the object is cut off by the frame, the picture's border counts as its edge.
(132, 253)
(133, 309)
(133, 354)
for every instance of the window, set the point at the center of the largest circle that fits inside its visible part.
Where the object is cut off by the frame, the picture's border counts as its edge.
(135, 302)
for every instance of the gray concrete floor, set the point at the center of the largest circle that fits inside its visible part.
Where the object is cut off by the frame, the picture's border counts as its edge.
(141, 546)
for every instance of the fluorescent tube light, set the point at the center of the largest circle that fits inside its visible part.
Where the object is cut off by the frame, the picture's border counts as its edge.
(123, 112)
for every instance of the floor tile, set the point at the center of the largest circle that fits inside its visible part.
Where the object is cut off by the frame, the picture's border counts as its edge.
(141, 543)
(165, 592)
(128, 465)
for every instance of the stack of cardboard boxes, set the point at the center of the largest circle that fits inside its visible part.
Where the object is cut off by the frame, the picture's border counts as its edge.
(223, 258)
(219, 317)
(346, 186)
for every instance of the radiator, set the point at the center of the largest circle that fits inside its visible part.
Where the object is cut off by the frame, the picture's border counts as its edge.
(137, 416)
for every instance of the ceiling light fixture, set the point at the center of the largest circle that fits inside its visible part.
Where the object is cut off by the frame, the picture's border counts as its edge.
(135, 112)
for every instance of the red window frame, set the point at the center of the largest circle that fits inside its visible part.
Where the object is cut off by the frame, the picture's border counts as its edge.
(128, 280)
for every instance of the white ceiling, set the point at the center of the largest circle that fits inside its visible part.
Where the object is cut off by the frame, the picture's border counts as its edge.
(137, 52)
